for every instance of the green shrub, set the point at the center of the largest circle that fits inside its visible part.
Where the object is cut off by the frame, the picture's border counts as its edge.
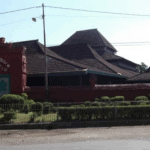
(148, 103)
(12, 99)
(125, 103)
(48, 103)
(46, 109)
(96, 99)
(103, 104)
(37, 107)
(81, 105)
(8, 116)
(51, 106)
(87, 103)
(75, 106)
(105, 99)
(105, 113)
(30, 102)
(112, 99)
(95, 103)
(141, 98)
(26, 108)
(24, 95)
(143, 103)
(45, 103)
(119, 98)
(66, 114)
(32, 117)
(54, 109)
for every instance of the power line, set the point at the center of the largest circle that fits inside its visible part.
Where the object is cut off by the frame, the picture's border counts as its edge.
(134, 45)
(93, 11)
(87, 16)
(132, 42)
(17, 21)
(65, 16)
(19, 10)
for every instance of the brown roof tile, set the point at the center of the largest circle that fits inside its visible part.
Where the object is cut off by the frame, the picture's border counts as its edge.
(84, 54)
(36, 59)
(141, 77)
(91, 37)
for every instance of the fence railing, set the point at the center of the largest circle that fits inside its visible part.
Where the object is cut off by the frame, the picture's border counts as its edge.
(102, 111)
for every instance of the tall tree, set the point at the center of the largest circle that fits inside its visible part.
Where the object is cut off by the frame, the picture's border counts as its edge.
(142, 67)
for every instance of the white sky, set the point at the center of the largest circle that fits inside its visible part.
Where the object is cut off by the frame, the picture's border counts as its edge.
(116, 28)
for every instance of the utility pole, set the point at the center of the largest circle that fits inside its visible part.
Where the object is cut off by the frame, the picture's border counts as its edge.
(46, 76)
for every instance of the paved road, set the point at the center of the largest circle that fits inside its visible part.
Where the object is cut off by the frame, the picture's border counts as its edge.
(137, 137)
(87, 145)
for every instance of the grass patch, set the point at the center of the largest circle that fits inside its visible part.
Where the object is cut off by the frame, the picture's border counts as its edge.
(24, 118)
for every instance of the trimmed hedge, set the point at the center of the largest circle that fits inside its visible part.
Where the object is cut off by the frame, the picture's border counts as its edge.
(24, 95)
(37, 107)
(105, 99)
(105, 113)
(141, 98)
(96, 99)
(26, 108)
(95, 103)
(8, 116)
(46, 109)
(125, 103)
(117, 98)
(12, 99)
(87, 103)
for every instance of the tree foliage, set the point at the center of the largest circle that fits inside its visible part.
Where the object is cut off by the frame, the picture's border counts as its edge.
(142, 67)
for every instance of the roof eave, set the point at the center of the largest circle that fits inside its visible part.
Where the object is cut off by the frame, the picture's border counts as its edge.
(82, 72)
(106, 74)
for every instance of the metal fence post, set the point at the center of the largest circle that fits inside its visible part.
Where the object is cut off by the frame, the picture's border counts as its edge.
(115, 112)
(57, 111)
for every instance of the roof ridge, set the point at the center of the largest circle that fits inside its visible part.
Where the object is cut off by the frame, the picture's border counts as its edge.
(97, 56)
(86, 30)
(102, 38)
(137, 75)
(26, 41)
(99, 34)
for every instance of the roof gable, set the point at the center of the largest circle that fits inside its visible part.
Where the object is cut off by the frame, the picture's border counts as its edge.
(31, 46)
(91, 37)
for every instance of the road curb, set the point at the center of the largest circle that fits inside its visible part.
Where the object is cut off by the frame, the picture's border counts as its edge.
(73, 124)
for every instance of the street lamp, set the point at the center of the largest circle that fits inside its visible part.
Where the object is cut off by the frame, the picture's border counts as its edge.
(46, 75)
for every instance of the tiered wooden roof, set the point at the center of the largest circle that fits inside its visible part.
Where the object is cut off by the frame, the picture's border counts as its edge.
(57, 63)
(84, 54)
(91, 37)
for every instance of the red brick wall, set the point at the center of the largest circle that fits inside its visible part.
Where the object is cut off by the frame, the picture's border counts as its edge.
(14, 61)
(80, 94)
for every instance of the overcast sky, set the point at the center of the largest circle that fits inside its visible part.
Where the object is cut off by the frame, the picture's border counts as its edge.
(60, 24)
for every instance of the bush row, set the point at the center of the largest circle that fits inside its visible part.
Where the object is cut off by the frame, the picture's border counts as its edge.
(120, 98)
(104, 113)
(108, 99)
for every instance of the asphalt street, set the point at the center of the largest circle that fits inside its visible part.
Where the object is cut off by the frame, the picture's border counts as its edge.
(134, 137)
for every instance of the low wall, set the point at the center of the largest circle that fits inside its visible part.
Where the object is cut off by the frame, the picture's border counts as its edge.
(80, 94)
